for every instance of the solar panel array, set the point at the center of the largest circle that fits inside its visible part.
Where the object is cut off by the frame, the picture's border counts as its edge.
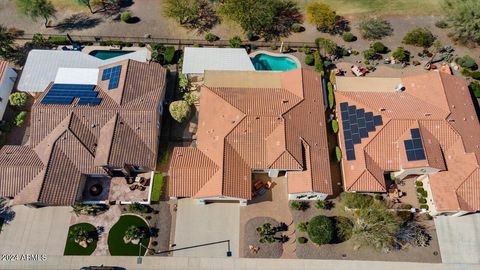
(356, 125)
(112, 74)
(64, 94)
(414, 147)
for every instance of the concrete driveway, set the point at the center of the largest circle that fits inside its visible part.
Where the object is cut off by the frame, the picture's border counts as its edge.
(36, 231)
(459, 238)
(202, 224)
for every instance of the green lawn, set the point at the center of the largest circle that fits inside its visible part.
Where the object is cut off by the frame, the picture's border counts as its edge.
(117, 246)
(72, 248)
(381, 7)
(157, 187)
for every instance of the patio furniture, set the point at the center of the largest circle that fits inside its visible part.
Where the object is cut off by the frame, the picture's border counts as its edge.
(130, 180)
(261, 191)
(269, 184)
(132, 187)
(142, 180)
(138, 178)
(142, 188)
(259, 184)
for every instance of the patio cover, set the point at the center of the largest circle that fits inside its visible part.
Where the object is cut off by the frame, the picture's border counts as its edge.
(197, 60)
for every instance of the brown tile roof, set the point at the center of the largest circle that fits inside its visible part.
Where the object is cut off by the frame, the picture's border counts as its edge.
(243, 128)
(3, 67)
(440, 106)
(70, 141)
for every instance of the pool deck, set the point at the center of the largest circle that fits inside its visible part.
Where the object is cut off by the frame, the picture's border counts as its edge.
(293, 58)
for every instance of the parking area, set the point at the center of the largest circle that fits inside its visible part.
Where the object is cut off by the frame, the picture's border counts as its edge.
(36, 231)
(198, 225)
(459, 238)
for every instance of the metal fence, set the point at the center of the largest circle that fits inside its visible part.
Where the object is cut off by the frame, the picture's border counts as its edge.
(170, 41)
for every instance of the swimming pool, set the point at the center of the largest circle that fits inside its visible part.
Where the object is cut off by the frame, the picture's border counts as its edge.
(107, 54)
(264, 61)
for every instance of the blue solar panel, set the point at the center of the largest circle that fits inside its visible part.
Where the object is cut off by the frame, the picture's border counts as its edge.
(414, 147)
(350, 155)
(65, 94)
(415, 133)
(113, 75)
(356, 124)
(89, 101)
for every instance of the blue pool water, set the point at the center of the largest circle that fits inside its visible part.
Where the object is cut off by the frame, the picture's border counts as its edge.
(107, 54)
(277, 63)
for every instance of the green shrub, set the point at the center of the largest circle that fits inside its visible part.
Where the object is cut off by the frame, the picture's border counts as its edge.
(356, 200)
(235, 42)
(20, 118)
(331, 97)
(379, 47)
(475, 75)
(157, 188)
(475, 88)
(211, 37)
(420, 37)
(378, 197)
(424, 194)
(441, 24)
(419, 184)
(296, 28)
(18, 99)
(405, 215)
(141, 44)
(321, 230)
(420, 189)
(343, 228)
(318, 63)
(169, 55)
(335, 126)
(58, 40)
(299, 205)
(467, 62)
(302, 240)
(424, 206)
(338, 153)
(422, 200)
(302, 226)
(126, 16)
(369, 54)
(180, 110)
(138, 208)
(400, 54)
(309, 60)
(349, 37)
(190, 98)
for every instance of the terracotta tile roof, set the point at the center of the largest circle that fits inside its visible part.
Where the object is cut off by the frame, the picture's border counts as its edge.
(440, 107)
(3, 68)
(70, 141)
(244, 128)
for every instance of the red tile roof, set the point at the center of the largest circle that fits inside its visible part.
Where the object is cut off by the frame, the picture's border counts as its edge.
(245, 128)
(68, 142)
(440, 106)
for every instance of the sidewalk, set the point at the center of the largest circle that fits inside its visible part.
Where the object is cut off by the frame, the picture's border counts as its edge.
(183, 263)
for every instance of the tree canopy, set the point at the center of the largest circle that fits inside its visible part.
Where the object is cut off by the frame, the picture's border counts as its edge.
(266, 18)
(420, 37)
(322, 16)
(193, 14)
(321, 230)
(18, 99)
(464, 18)
(180, 110)
(37, 9)
(6, 42)
(372, 28)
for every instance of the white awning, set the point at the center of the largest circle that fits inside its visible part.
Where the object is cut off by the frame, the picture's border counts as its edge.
(77, 76)
(197, 60)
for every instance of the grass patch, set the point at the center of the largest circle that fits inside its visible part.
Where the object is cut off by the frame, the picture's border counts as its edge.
(68, 4)
(164, 154)
(74, 249)
(117, 246)
(381, 7)
(157, 189)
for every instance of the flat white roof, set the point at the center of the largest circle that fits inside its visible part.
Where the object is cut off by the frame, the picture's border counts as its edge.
(77, 75)
(197, 60)
(42, 66)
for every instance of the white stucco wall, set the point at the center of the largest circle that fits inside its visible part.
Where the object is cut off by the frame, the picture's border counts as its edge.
(414, 171)
(6, 85)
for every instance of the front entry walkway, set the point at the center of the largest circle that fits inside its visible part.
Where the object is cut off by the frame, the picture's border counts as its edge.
(274, 204)
(202, 224)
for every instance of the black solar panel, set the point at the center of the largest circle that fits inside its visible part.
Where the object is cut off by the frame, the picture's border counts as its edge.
(113, 75)
(356, 125)
(414, 147)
